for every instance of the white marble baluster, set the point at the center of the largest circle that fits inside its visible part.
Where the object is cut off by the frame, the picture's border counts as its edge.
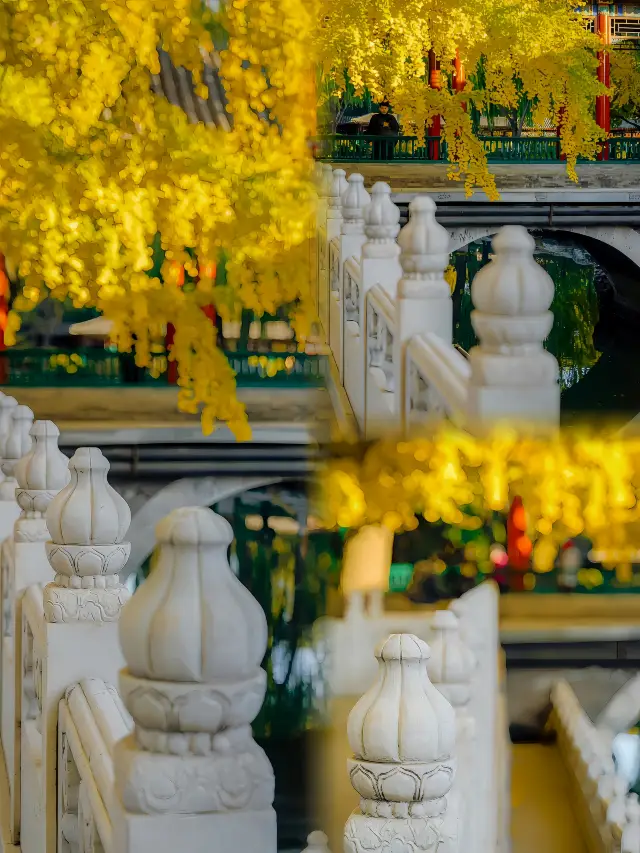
(324, 191)
(424, 297)
(450, 668)
(192, 777)
(40, 475)
(631, 832)
(379, 264)
(512, 377)
(73, 625)
(16, 445)
(344, 300)
(402, 733)
(317, 842)
(9, 509)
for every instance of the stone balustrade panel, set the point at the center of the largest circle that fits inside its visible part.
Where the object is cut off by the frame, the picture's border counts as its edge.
(361, 247)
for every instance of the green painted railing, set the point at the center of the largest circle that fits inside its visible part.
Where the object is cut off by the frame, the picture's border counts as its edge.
(504, 149)
(95, 367)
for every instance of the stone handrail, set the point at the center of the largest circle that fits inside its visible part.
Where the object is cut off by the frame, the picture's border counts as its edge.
(609, 815)
(92, 719)
(179, 766)
(464, 663)
(512, 295)
(437, 382)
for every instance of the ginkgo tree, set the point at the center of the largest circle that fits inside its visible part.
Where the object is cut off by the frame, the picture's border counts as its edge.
(538, 51)
(94, 167)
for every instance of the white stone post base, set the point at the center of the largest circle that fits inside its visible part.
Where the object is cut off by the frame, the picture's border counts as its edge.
(228, 832)
(366, 834)
(533, 407)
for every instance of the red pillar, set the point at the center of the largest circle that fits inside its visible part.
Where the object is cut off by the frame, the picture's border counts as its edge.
(435, 82)
(459, 78)
(518, 543)
(603, 102)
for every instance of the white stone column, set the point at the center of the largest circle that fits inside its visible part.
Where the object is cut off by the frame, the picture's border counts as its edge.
(87, 521)
(40, 476)
(513, 378)
(423, 301)
(324, 174)
(331, 285)
(16, 444)
(402, 733)
(379, 264)
(9, 509)
(450, 668)
(352, 237)
(191, 777)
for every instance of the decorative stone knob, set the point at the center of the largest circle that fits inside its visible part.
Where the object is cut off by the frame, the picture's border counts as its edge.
(403, 717)
(87, 521)
(451, 663)
(40, 475)
(88, 511)
(403, 733)
(18, 440)
(192, 620)
(381, 217)
(512, 295)
(193, 638)
(7, 407)
(44, 470)
(326, 180)
(354, 200)
(424, 243)
(339, 186)
(513, 284)
(16, 443)
(317, 842)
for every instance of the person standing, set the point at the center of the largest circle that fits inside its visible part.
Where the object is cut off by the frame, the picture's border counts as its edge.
(385, 125)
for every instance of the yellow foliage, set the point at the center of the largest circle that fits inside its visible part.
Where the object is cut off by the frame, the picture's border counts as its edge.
(536, 49)
(572, 484)
(93, 165)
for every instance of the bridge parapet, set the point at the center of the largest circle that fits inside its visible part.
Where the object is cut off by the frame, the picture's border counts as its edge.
(390, 328)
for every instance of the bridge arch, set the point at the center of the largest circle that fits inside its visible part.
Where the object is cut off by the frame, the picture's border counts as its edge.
(621, 238)
(189, 491)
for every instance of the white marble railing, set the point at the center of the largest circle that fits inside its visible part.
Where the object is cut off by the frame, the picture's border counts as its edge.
(609, 815)
(167, 759)
(401, 370)
(464, 661)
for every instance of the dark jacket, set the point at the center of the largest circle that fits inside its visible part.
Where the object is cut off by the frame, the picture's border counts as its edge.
(383, 125)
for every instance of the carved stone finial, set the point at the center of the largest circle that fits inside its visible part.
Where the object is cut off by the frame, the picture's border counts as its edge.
(402, 733)
(16, 444)
(194, 638)
(451, 663)
(424, 252)
(326, 180)
(354, 200)
(317, 842)
(88, 521)
(512, 295)
(7, 407)
(40, 475)
(339, 186)
(381, 224)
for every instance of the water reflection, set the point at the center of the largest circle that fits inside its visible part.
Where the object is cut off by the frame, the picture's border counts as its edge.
(580, 287)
